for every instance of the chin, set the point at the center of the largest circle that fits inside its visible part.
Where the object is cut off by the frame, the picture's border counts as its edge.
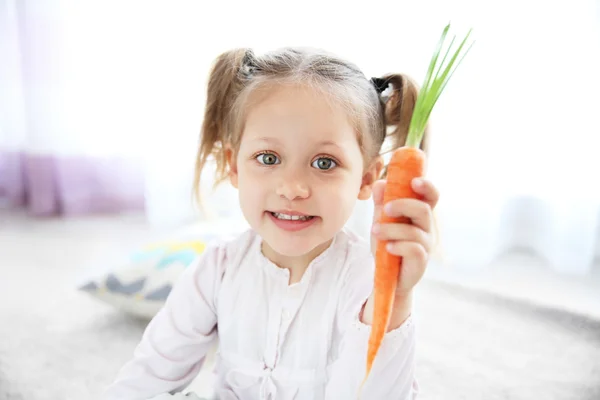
(294, 244)
(291, 245)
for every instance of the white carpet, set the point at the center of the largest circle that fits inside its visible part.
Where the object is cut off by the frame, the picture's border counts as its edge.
(59, 344)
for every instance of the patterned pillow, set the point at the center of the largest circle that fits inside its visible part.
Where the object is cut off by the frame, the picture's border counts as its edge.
(141, 286)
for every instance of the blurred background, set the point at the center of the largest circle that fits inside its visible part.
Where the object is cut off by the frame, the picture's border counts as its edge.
(100, 112)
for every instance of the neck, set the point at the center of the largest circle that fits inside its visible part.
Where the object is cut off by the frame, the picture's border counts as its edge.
(296, 265)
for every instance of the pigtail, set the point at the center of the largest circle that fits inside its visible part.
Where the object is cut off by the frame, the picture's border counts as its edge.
(398, 111)
(225, 81)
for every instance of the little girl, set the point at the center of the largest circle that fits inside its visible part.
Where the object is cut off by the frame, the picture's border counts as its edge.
(299, 133)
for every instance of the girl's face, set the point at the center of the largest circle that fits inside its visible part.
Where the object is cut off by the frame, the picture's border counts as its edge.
(299, 170)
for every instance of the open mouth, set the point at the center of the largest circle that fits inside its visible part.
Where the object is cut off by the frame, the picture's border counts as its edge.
(288, 217)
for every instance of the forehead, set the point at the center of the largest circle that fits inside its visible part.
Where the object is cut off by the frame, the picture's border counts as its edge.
(297, 112)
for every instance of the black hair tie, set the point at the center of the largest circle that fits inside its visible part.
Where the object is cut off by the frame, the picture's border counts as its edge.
(380, 84)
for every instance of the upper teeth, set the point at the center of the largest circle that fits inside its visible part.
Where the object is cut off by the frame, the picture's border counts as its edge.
(291, 217)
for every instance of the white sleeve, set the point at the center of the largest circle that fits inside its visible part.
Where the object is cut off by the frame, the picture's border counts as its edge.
(393, 373)
(176, 341)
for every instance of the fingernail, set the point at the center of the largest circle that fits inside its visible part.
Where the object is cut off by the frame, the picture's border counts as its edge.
(376, 228)
(387, 208)
(389, 247)
(417, 182)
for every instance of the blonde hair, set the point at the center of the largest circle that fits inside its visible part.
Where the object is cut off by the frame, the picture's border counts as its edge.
(238, 73)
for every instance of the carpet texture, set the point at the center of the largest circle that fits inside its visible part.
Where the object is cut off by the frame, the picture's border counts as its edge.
(59, 344)
(471, 346)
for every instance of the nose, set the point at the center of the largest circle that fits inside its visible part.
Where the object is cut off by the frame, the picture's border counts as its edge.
(293, 187)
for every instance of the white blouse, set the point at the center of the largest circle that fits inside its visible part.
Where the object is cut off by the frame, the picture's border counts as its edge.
(276, 341)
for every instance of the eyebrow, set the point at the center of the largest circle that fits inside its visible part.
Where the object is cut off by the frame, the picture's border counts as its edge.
(322, 143)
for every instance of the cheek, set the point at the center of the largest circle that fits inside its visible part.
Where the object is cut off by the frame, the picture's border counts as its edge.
(340, 195)
(349, 183)
(250, 190)
(249, 174)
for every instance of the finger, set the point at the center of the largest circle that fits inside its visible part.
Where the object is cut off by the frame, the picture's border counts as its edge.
(408, 250)
(430, 194)
(404, 232)
(418, 211)
(378, 189)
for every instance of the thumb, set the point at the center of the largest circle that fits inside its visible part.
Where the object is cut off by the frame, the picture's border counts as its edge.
(378, 189)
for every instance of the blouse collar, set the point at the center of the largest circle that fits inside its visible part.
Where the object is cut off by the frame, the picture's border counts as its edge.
(284, 272)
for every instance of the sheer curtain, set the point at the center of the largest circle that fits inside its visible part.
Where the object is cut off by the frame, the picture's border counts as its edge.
(65, 127)
(514, 135)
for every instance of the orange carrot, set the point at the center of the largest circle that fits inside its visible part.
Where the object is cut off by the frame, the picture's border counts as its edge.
(407, 163)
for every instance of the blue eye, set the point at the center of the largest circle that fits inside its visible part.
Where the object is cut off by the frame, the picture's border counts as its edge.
(268, 159)
(324, 163)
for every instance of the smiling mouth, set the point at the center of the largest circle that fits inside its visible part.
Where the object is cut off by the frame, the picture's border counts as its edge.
(288, 217)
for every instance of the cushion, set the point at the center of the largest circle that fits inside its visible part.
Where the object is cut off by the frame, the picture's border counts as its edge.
(140, 282)
(141, 285)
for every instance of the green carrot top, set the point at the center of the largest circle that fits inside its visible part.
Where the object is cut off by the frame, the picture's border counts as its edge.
(436, 80)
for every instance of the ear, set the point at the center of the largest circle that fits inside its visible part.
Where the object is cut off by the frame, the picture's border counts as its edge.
(370, 176)
(232, 163)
